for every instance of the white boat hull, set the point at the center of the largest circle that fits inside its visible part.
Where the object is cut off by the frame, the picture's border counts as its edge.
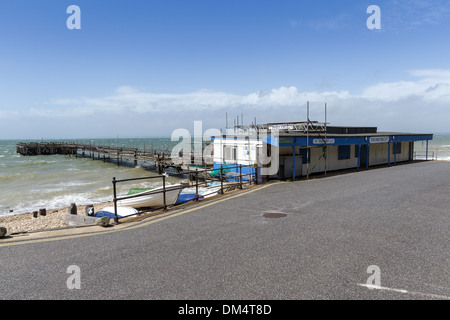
(153, 198)
(202, 191)
(121, 212)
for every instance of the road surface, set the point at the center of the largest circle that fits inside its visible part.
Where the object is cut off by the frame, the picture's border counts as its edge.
(331, 235)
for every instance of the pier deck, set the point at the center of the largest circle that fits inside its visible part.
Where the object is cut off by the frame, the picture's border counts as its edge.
(160, 158)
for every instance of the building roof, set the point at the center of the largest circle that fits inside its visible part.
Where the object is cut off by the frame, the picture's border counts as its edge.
(313, 133)
(354, 136)
(343, 135)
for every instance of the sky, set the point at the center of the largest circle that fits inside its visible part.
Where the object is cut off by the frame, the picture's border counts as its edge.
(144, 68)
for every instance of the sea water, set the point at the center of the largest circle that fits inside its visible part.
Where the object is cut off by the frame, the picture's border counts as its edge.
(30, 183)
(439, 147)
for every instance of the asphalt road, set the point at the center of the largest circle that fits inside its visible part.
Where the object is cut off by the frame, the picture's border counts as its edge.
(396, 218)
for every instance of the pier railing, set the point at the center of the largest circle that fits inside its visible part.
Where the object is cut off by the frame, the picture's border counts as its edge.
(126, 155)
(430, 155)
(219, 180)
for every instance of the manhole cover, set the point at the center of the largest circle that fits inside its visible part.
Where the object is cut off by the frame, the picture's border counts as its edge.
(274, 215)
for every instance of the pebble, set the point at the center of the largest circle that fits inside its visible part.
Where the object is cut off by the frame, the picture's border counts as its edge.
(3, 232)
(55, 218)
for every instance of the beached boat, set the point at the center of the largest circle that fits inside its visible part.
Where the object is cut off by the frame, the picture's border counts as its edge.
(188, 194)
(153, 197)
(121, 212)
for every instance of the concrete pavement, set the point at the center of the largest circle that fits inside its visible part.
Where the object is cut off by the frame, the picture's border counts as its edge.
(334, 229)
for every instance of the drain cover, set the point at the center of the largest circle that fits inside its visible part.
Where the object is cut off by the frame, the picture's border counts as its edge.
(274, 215)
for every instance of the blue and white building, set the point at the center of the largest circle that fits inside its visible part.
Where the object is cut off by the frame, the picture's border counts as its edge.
(299, 149)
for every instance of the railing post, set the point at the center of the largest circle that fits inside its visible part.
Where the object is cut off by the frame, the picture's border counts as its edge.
(240, 176)
(164, 192)
(256, 174)
(221, 179)
(116, 218)
(196, 184)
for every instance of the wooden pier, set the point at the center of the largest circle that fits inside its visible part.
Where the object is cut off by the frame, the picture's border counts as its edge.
(121, 155)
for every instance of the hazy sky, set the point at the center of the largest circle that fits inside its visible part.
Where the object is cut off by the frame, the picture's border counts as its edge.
(143, 68)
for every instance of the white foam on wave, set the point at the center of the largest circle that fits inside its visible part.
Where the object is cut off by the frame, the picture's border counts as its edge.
(61, 186)
(104, 188)
(73, 184)
(58, 202)
(4, 210)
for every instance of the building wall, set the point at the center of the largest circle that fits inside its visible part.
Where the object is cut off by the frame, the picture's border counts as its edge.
(246, 154)
(332, 162)
(378, 155)
(286, 151)
(245, 151)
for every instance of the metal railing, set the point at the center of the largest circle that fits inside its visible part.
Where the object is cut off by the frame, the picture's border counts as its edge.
(223, 176)
(430, 155)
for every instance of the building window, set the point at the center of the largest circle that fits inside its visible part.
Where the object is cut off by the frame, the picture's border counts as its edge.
(396, 148)
(343, 152)
(230, 153)
(305, 157)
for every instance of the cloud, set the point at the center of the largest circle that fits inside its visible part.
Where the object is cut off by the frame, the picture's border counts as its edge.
(294, 23)
(5, 114)
(421, 103)
(443, 74)
(334, 23)
(131, 99)
(433, 86)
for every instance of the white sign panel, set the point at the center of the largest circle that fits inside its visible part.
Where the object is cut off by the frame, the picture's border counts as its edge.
(379, 139)
(281, 127)
(323, 141)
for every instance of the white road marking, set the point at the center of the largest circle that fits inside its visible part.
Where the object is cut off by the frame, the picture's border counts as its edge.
(431, 295)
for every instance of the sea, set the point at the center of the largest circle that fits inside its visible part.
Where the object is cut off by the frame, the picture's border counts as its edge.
(30, 183)
(438, 148)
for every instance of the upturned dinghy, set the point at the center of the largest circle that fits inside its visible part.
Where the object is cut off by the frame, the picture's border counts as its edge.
(153, 197)
(121, 212)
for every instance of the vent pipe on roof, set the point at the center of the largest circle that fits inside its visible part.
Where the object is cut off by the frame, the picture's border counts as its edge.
(226, 120)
